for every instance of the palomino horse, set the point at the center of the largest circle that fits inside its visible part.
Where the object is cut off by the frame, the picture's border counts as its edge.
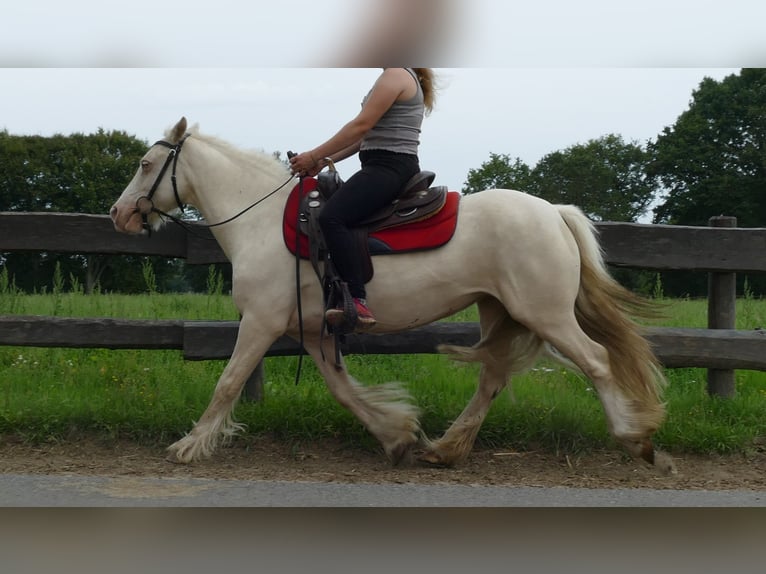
(535, 271)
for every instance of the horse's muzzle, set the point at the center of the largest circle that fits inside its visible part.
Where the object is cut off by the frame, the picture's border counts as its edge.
(126, 221)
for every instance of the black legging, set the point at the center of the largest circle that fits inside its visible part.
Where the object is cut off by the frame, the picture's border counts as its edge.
(382, 176)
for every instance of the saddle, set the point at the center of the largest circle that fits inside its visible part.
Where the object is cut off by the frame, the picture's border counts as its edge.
(416, 202)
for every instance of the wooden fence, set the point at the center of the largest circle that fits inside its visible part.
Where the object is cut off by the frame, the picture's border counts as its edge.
(722, 250)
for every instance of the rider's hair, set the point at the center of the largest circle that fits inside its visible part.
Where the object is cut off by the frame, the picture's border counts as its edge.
(427, 80)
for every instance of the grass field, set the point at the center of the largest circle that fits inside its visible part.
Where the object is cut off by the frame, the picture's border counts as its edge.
(154, 396)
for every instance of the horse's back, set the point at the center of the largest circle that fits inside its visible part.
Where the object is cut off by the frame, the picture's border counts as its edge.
(508, 199)
(511, 213)
(516, 233)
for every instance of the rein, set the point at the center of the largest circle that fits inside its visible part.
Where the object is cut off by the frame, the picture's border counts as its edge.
(175, 150)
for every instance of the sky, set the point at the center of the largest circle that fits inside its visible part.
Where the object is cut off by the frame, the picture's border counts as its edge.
(518, 78)
(522, 112)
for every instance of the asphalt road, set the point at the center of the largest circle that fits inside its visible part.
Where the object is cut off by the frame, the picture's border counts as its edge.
(95, 491)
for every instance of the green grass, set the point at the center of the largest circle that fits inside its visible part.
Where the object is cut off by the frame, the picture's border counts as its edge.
(153, 397)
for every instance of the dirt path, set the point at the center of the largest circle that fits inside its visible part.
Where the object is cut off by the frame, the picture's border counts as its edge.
(328, 461)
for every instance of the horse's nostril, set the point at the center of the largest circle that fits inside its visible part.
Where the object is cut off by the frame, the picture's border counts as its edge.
(113, 212)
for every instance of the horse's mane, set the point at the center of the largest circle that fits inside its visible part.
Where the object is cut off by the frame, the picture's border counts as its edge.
(258, 159)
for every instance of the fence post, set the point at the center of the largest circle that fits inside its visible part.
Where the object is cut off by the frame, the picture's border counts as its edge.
(721, 314)
(253, 390)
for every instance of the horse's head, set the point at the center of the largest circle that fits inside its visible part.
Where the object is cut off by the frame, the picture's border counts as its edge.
(155, 188)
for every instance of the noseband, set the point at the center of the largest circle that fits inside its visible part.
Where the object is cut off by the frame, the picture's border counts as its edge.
(145, 203)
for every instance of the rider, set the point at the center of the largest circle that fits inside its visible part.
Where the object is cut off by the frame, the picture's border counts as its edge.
(386, 134)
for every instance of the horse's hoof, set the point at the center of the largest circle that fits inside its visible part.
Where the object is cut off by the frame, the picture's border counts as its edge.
(172, 458)
(664, 464)
(433, 458)
(647, 451)
(400, 454)
(661, 461)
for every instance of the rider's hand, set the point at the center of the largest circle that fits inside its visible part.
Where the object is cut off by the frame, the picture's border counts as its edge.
(305, 164)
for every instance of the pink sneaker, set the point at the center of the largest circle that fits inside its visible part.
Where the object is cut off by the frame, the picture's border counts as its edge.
(365, 320)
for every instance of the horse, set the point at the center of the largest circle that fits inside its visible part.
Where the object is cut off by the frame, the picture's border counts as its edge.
(534, 270)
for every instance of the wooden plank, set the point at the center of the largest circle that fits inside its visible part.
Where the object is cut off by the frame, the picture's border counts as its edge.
(675, 247)
(709, 348)
(674, 347)
(658, 247)
(83, 233)
(68, 332)
(422, 340)
(203, 249)
(215, 340)
(203, 340)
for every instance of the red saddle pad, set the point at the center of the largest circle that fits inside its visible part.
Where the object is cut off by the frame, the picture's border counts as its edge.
(416, 236)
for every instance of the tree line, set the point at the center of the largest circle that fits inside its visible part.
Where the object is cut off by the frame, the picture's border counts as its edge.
(712, 161)
(81, 173)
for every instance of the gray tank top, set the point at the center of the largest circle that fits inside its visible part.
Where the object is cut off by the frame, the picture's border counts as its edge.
(398, 130)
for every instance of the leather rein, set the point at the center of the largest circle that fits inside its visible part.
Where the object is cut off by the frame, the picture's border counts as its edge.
(145, 204)
(146, 210)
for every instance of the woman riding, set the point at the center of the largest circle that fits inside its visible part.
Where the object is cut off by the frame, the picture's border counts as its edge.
(386, 134)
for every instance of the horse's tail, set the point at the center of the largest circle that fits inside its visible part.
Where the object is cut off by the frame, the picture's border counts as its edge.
(603, 309)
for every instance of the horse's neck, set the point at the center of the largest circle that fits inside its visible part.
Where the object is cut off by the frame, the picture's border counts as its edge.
(224, 186)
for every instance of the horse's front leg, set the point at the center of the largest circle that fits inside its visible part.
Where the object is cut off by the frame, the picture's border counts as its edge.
(253, 340)
(386, 411)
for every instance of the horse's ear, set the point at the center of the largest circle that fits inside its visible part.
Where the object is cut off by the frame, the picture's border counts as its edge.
(178, 131)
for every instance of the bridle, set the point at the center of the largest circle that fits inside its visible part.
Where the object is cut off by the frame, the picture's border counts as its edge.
(175, 150)
(149, 208)
(145, 203)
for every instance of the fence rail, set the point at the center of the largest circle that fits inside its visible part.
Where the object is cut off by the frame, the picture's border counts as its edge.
(721, 250)
(642, 246)
(208, 340)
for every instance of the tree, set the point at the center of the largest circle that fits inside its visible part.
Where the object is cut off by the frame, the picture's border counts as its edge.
(604, 177)
(712, 161)
(77, 174)
(499, 172)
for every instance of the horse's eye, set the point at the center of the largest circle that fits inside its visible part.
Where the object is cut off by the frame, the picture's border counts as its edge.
(145, 164)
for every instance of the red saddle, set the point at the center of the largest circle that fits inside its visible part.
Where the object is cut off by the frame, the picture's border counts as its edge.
(430, 233)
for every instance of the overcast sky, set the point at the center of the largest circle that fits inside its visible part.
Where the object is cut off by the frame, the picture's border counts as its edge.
(534, 77)
(522, 112)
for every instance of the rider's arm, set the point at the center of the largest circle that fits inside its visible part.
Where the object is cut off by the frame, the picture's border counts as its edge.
(389, 87)
(346, 152)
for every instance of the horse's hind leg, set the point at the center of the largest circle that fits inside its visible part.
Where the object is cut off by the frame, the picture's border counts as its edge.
(632, 417)
(386, 411)
(505, 347)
